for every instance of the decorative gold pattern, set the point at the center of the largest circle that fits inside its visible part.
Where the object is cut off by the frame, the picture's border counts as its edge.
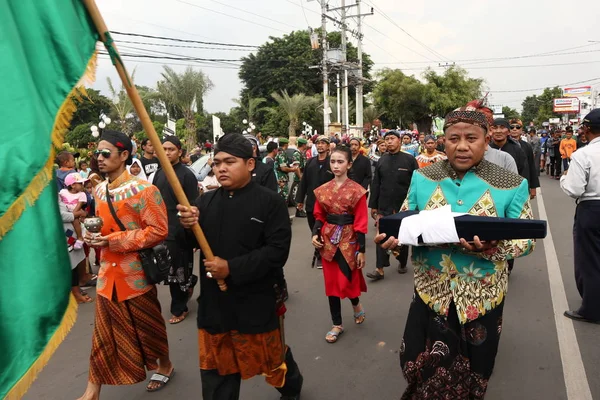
(484, 207)
(436, 200)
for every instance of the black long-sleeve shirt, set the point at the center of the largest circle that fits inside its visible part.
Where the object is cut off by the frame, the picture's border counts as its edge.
(532, 177)
(316, 173)
(391, 181)
(189, 184)
(264, 175)
(514, 149)
(360, 172)
(249, 228)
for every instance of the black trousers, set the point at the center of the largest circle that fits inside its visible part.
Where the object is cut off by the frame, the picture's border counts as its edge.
(227, 387)
(310, 218)
(382, 258)
(586, 246)
(556, 165)
(335, 307)
(181, 258)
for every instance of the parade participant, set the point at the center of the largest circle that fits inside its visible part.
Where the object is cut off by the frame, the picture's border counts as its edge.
(181, 279)
(137, 169)
(126, 306)
(454, 322)
(421, 143)
(556, 159)
(339, 234)
(262, 174)
(283, 169)
(441, 144)
(582, 182)
(516, 132)
(501, 140)
(360, 169)
(408, 146)
(581, 139)
(567, 147)
(149, 162)
(316, 172)
(388, 190)
(501, 159)
(429, 155)
(247, 228)
(536, 144)
(375, 154)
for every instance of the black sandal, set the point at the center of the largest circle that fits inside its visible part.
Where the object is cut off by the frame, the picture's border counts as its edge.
(161, 379)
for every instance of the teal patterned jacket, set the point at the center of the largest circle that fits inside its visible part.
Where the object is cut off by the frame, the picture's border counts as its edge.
(476, 282)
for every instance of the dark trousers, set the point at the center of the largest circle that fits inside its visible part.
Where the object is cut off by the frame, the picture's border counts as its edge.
(227, 387)
(335, 307)
(565, 163)
(555, 165)
(586, 246)
(182, 260)
(310, 218)
(382, 258)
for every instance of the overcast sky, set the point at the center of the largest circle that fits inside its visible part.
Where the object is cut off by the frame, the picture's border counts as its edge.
(448, 31)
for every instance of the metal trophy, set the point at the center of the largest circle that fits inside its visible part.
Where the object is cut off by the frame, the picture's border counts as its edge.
(93, 225)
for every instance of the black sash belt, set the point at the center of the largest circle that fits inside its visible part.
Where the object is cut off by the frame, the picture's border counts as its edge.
(340, 219)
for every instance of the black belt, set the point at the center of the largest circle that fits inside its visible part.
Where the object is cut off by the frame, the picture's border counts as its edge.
(340, 219)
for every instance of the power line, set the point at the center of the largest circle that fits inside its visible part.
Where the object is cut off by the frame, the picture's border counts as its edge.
(507, 66)
(535, 89)
(180, 46)
(229, 15)
(437, 54)
(182, 40)
(105, 56)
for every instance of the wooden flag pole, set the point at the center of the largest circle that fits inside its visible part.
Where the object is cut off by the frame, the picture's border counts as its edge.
(147, 125)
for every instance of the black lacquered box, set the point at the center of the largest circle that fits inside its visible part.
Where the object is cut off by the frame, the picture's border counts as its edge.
(468, 226)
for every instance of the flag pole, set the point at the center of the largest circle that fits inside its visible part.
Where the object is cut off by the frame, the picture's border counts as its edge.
(136, 100)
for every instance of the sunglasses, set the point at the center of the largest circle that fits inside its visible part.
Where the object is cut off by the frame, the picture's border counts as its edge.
(515, 127)
(105, 153)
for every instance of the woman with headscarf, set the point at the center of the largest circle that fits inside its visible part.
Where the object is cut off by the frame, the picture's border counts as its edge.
(136, 169)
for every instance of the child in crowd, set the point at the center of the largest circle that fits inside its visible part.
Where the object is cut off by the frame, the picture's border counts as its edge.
(66, 165)
(136, 169)
(74, 197)
(84, 170)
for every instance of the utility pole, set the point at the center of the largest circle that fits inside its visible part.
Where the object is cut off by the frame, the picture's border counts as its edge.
(324, 68)
(345, 119)
(359, 85)
(339, 120)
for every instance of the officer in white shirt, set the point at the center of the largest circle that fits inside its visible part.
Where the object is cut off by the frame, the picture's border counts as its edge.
(582, 182)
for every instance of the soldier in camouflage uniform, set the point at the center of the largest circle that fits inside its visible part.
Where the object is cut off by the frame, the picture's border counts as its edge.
(282, 169)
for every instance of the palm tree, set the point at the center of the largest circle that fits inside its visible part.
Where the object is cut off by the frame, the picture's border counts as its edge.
(121, 104)
(184, 92)
(293, 107)
(371, 114)
(251, 106)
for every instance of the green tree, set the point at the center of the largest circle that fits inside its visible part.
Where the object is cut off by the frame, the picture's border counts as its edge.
(531, 107)
(121, 104)
(510, 113)
(450, 90)
(250, 106)
(293, 107)
(283, 64)
(80, 136)
(184, 93)
(538, 109)
(90, 107)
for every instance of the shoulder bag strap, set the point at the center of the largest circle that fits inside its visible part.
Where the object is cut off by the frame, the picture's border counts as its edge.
(112, 210)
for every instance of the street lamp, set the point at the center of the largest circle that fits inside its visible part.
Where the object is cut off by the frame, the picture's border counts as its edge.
(250, 126)
(104, 122)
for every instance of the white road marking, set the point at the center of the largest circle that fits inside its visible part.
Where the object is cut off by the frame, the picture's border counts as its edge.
(576, 381)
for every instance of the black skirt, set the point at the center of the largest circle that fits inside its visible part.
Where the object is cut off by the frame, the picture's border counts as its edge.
(442, 359)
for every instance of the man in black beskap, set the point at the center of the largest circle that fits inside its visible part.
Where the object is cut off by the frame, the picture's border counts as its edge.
(262, 173)
(389, 188)
(247, 227)
(181, 279)
(502, 141)
(516, 132)
(317, 172)
(360, 172)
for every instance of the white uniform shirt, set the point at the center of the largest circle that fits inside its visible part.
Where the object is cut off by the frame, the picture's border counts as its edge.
(582, 181)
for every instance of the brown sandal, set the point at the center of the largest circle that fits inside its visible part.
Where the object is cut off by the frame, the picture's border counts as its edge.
(175, 320)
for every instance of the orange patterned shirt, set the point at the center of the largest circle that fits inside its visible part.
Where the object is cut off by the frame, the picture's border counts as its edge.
(141, 209)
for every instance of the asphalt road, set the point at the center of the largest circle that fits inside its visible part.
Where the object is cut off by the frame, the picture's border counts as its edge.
(364, 363)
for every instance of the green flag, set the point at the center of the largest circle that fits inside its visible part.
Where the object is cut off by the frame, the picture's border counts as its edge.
(47, 46)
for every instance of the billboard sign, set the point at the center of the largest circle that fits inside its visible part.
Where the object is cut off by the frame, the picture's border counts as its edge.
(582, 91)
(554, 120)
(569, 105)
